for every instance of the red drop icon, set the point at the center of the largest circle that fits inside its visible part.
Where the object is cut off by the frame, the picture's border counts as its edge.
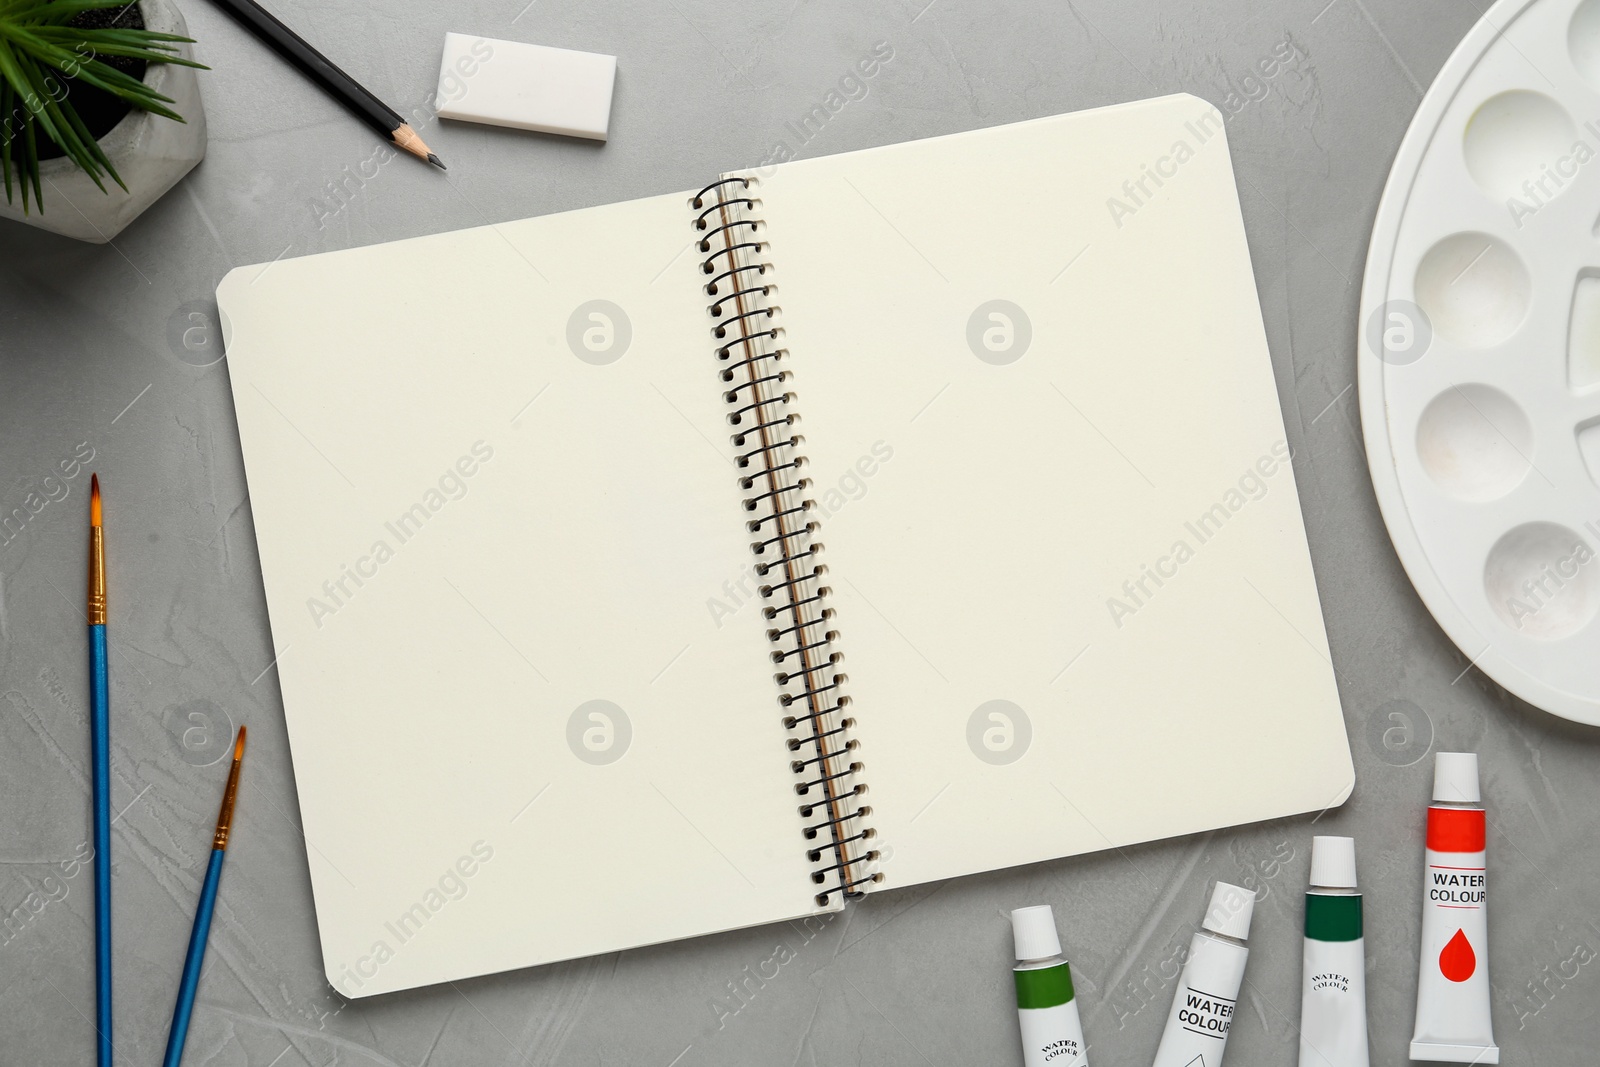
(1458, 961)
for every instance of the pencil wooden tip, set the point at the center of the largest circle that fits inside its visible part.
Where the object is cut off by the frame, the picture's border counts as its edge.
(94, 500)
(238, 746)
(406, 138)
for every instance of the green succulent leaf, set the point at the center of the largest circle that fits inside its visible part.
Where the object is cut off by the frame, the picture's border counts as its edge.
(8, 100)
(39, 47)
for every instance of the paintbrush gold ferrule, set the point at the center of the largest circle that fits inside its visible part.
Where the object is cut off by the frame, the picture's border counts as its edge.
(97, 576)
(225, 816)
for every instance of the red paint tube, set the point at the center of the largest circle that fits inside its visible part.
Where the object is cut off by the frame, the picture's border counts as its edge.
(1453, 985)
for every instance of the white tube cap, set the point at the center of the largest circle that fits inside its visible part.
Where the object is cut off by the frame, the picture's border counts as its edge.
(1230, 911)
(1455, 777)
(1035, 932)
(1333, 862)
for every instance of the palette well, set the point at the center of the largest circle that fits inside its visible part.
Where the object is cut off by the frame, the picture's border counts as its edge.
(1479, 351)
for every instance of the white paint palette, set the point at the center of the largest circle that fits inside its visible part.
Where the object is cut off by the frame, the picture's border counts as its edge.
(1479, 351)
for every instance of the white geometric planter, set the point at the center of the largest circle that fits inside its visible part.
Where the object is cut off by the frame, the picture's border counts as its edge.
(150, 152)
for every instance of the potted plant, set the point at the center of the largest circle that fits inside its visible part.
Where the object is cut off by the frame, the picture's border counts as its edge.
(99, 111)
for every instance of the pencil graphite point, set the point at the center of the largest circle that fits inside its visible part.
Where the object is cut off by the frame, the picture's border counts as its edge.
(94, 500)
(436, 161)
(238, 746)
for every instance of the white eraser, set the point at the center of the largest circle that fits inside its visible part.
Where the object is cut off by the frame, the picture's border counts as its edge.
(527, 86)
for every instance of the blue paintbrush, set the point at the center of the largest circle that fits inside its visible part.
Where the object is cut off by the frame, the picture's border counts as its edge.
(189, 985)
(100, 761)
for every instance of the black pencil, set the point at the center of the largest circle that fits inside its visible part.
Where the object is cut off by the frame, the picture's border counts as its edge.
(335, 82)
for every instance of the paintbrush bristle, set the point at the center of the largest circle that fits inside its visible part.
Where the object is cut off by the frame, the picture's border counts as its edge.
(219, 840)
(94, 500)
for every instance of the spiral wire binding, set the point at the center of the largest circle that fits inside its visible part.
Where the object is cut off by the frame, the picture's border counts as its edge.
(767, 450)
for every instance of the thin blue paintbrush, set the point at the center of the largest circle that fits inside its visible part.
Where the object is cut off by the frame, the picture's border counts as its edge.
(189, 984)
(100, 760)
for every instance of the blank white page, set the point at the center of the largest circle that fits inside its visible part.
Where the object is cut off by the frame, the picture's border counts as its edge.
(987, 485)
(467, 534)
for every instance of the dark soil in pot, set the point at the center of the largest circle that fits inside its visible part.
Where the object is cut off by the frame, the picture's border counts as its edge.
(100, 110)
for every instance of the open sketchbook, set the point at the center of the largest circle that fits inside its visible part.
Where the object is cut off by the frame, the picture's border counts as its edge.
(698, 562)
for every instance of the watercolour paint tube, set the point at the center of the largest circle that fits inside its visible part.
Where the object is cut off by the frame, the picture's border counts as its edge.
(1453, 983)
(1046, 1010)
(1333, 998)
(1202, 1008)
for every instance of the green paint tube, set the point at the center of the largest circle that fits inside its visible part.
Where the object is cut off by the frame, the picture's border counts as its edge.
(1333, 998)
(1046, 1010)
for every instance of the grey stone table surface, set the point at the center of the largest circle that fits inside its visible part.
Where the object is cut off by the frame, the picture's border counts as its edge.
(110, 352)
